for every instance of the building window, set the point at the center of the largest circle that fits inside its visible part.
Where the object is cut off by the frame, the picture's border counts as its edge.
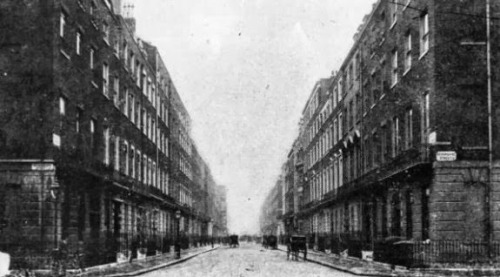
(117, 153)
(350, 115)
(62, 24)
(91, 58)
(340, 126)
(131, 104)
(92, 134)
(424, 33)
(335, 132)
(124, 158)
(377, 149)
(136, 114)
(425, 116)
(78, 43)
(395, 137)
(105, 79)
(92, 126)
(409, 129)
(340, 89)
(116, 90)
(106, 146)
(383, 143)
(132, 162)
(62, 105)
(376, 88)
(138, 69)
(105, 31)
(408, 52)
(92, 8)
(117, 48)
(394, 67)
(125, 53)
(394, 12)
(131, 60)
(79, 113)
(341, 171)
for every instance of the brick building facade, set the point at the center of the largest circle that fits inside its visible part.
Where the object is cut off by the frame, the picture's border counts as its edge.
(95, 146)
(396, 141)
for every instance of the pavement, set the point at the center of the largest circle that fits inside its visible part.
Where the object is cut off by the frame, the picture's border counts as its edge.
(134, 268)
(361, 267)
(138, 267)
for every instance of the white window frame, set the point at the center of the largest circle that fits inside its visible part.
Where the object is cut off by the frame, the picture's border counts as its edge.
(408, 54)
(409, 129)
(91, 57)
(78, 48)
(105, 79)
(106, 137)
(105, 31)
(62, 105)
(394, 68)
(424, 33)
(394, 12)
(62, 24)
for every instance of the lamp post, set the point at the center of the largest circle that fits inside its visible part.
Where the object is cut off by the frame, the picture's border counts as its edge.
(212, 232)
(177, 243)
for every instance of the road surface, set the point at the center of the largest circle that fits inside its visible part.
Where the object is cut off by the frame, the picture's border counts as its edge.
(245, 261)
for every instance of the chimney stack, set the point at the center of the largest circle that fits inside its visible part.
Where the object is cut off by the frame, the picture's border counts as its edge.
(128, 14)
(117, 6)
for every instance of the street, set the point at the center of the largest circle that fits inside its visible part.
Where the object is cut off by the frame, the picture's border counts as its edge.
(247, 260)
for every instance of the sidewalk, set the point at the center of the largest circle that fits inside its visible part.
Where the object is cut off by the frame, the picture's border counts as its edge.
(371, 268)
(350, 264)
(137, 267)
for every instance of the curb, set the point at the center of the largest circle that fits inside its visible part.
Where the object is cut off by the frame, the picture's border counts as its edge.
(149, 269)
(348, 270)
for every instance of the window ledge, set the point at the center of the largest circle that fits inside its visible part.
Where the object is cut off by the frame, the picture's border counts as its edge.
(406, 71)
(423, 54)
(393, 24)
(381, 42)
(65, 55)
(393, 85)
(94, 84)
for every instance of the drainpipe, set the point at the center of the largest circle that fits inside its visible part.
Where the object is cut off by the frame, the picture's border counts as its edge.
(490, 130)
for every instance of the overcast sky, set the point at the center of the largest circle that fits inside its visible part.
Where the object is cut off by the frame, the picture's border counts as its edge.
(244, 69)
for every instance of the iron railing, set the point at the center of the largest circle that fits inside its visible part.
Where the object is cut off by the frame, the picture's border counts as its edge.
(427, 254)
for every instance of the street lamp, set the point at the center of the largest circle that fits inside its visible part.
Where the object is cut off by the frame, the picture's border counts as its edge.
(212, 232)
(177, 243)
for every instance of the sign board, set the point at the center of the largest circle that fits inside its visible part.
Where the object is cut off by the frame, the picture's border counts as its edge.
(446, 156)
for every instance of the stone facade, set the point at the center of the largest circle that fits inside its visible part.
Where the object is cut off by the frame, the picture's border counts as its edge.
(412, 88)
(95, 149)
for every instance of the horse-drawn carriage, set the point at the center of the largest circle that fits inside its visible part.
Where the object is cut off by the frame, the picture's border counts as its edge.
(233, 241)
(270, 242)
(296, 244)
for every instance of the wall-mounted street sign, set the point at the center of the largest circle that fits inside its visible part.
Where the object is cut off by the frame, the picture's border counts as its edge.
(446, 156)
